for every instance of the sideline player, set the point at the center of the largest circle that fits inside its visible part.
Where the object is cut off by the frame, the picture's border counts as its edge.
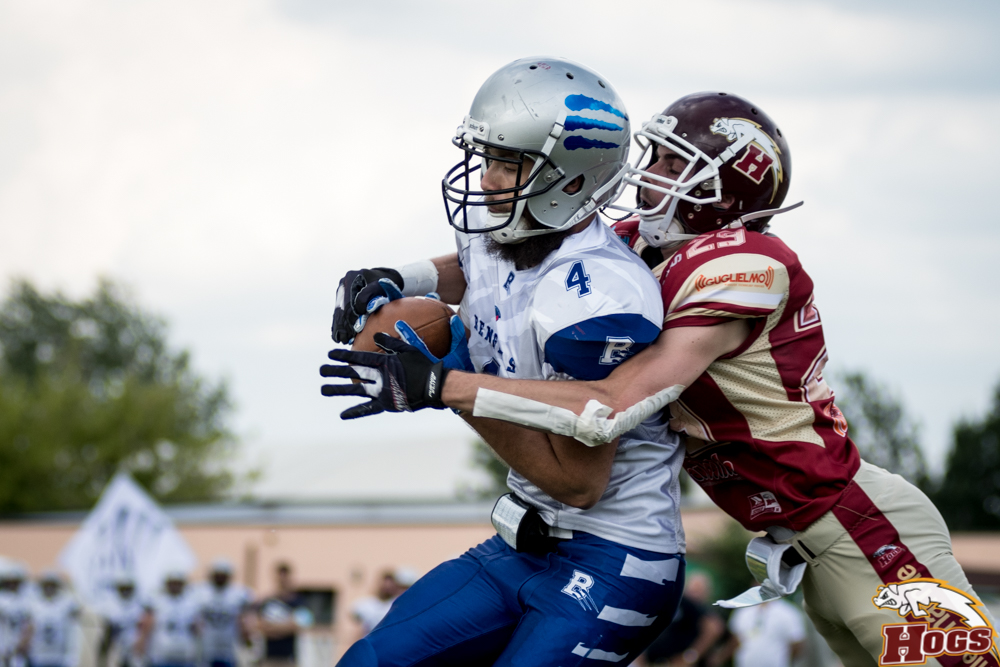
(169, 630)
(54, 629)
(14, 613)
(743, 335)
(222, 615)
(122, 612)
(587, 565)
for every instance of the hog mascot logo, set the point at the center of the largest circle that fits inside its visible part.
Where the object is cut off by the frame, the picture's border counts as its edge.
(953, 625)
(915, 596)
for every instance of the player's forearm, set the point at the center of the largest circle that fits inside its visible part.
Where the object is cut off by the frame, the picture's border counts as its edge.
(460, 390)
(561, 467)
(451, 280)
(677, 357)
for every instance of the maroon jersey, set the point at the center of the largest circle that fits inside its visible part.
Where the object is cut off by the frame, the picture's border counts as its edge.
(766, 441)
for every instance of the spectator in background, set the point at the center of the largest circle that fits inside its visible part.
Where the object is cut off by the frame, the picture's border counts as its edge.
(767, 635)
(122, 612)
(222, 609)
(370, 610)
(53, 631)
(14, 614)
(692, 633)
(169, 629)
(281, 618)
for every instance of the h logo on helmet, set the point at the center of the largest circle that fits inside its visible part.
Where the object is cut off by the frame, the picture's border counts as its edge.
(754, 163)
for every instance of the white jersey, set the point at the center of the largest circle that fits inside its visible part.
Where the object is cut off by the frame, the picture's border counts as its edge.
(123, 615)
(220, 611)
(370, 611)
(587, 307)
(766, 633)
(55, 624)
(174, 641)
(14, 614)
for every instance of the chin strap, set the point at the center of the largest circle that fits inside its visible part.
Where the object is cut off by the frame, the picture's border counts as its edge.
(743, 219)
(674, 235)
(518, 232)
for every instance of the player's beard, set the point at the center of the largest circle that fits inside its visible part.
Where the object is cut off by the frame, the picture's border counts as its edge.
(528, 253)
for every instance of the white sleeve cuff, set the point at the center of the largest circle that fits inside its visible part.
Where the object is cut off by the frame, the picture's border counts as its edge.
(592, 428)
(419, 278)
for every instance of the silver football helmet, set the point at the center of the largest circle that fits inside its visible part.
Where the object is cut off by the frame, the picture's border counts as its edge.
(557, 121)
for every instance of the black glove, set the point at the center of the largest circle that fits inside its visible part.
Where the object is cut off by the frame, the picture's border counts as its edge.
(359, 294)
(401, 380)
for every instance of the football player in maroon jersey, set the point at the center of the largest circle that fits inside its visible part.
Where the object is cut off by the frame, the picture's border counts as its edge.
(744, 338)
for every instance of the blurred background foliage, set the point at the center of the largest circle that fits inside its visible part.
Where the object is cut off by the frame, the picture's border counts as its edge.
(91, 387)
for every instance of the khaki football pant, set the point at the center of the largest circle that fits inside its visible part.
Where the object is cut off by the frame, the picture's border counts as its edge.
(878, 512)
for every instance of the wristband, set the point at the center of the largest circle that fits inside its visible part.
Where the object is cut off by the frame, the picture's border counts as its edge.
(419, 278)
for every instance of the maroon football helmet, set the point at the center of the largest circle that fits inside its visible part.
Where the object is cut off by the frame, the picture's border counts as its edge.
(729, 147)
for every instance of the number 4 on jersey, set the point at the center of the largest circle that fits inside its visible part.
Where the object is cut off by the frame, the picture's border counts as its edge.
(578, 279)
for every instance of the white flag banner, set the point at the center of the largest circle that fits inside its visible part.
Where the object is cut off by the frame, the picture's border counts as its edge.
(126, 533)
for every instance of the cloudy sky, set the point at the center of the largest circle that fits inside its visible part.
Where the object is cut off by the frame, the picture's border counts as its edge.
(230, 159)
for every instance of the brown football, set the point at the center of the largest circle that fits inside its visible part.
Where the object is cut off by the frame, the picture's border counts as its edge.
(430, 318)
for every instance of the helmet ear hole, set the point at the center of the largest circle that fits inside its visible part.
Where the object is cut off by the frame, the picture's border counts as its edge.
(574, 186)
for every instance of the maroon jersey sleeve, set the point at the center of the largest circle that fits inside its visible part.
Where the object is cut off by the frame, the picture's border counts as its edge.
(730, 273)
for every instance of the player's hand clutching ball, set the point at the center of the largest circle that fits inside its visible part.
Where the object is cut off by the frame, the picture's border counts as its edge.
(400, 379)
(360, 294)
(401, 375)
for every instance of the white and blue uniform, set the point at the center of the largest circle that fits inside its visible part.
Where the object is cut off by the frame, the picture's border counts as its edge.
(614, 581)
(14, 615)
(173, 642)
(220, 611)
(124, 615)
(54, 638)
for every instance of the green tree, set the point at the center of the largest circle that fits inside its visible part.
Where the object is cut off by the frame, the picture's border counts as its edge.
(969, 494)
(725, 558)
(496, 471)
(90, 387)
(880, 428)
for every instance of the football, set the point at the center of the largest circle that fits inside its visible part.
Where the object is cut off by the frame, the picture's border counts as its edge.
(430, 318)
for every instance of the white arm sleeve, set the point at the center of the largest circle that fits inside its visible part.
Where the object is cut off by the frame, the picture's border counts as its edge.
(419, 278)
(592, 428)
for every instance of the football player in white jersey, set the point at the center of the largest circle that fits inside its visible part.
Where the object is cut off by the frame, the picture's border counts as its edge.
(13, 614)
(222, 608)
(54, 626)
(169, 631)
(587, 563)
(122, 612)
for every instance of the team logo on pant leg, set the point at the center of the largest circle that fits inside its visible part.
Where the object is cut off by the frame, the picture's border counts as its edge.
(955, 625)
(579, 587)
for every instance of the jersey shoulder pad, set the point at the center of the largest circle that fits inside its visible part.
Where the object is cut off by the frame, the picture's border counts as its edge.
(591, 312)
(627, 230)
(730, 273)
(581, 286)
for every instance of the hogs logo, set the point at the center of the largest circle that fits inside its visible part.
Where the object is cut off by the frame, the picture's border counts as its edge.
(745, 279)
(934, 600)
(761, 154)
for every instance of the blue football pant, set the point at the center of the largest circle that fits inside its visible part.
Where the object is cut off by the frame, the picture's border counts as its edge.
(591, 602)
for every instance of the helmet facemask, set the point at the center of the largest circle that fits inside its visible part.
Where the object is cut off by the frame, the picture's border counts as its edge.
(459, 193)
(698, 183)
